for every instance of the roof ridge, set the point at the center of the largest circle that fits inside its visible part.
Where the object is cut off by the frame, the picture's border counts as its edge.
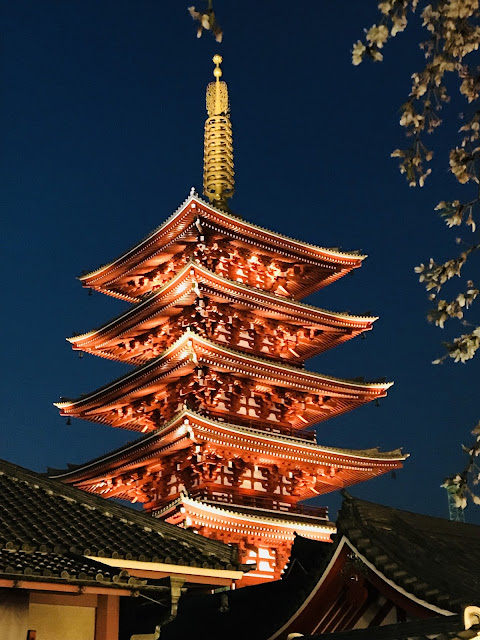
(359, 503)
(223, 507)
(353, 254)
(156, 230)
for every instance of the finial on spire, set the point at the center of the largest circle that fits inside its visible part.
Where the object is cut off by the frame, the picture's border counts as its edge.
(217, 61)
(218, 174)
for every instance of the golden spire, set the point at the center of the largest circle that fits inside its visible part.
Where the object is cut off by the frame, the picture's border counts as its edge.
(218, 174)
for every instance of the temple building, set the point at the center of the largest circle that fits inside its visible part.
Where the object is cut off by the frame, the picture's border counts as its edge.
(389, 575)
(72, 564)
(218, 337)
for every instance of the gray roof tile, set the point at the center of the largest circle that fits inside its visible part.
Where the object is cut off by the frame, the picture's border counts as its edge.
(47, 527)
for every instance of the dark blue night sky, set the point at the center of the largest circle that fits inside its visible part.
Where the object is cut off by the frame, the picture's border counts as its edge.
(102, 114)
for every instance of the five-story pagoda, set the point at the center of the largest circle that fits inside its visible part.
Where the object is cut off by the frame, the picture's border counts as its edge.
(218, 338)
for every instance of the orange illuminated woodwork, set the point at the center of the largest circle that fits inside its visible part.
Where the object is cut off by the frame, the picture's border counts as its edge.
(226, 311)
(232, 483)
(264, 537)
(209, 377)
(218, 337)
(196, 454)
(228, 246)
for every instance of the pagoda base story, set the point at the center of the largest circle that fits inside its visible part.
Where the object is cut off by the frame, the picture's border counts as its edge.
(264, 537)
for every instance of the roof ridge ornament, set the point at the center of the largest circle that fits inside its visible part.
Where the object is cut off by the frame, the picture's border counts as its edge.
(218, 173)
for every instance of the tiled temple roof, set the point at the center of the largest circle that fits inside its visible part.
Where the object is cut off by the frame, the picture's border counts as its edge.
(61, 567)
(47, 527)
(434, 559)
(444, 628)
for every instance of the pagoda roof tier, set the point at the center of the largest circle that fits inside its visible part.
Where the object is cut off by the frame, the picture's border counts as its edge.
(145, 266)
(267, 524)
(206, 298)
(223, 382)
(252, 530)
(333, 467)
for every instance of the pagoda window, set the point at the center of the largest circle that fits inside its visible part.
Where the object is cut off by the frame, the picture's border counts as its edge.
(265, 554)
(258, 482)
(264, 559)
(247, 482)
(221, 400)
(243, 408)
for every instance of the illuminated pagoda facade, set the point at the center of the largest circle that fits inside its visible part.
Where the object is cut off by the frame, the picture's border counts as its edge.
(218, 337)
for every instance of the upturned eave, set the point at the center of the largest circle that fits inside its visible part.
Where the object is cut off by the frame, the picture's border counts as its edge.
(281, 527)
(185, 349)
(146, 449)
(194, 207)
(193, 279)
(351, 320)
